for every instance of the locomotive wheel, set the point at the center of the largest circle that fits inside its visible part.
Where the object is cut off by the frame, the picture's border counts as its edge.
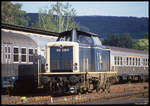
(97, 89)
(83, 90)
(107, 86)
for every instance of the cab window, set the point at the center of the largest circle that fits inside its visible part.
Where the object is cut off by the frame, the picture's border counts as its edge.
(97, 40)
(85, 39)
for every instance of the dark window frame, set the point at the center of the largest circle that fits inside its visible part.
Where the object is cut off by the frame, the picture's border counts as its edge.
(15, 54)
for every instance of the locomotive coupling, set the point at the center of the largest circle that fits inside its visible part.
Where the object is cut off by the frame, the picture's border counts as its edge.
(45, 80)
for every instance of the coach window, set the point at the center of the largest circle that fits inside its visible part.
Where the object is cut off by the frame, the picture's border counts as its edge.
(23, 54)
(120, 60)
(115, 58)
(130, 60)
(139, 61)
(1, 53)
(35, 51)
(136, 62)
(16, 54)
(133, 60)
(145, 62)
(30, 55)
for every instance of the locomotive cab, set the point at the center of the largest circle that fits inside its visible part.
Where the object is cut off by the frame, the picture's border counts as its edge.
(63, 55)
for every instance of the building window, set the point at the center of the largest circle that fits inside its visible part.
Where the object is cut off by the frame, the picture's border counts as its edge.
(5, 49)
(23, 54)
(30, 55)
(7, 54)
(16, 54)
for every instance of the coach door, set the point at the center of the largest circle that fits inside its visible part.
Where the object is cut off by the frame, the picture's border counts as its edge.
(99, 62)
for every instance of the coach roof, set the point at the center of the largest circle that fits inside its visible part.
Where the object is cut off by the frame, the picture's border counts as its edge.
(127, 50)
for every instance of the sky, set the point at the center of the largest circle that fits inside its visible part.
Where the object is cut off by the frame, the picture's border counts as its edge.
(134, 9)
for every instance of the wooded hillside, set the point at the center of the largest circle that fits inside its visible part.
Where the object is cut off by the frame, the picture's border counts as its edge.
(108, 25)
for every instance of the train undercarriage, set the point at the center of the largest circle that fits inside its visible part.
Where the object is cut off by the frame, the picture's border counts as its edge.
(77, 83)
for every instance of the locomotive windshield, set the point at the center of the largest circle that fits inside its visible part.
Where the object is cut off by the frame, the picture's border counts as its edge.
(65, 38)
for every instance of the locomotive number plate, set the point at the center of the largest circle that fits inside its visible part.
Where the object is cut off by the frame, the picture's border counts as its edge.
(63, 50)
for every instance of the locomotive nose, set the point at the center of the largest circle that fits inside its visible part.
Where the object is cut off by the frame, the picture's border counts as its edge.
(63, 56)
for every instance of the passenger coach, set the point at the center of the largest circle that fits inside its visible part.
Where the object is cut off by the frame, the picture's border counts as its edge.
(130, 64)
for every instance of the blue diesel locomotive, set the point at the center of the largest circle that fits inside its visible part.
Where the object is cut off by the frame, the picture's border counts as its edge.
(77, 62)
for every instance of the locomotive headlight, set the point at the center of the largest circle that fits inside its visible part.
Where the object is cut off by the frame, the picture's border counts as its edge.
(46, 67)
(75, 66)
(13, 78)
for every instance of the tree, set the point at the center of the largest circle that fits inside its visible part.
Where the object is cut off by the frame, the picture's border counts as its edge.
(7, 10)
(64, 16)
(142, 44)
(46, 20)
(12, 14)
(124, 40)
(145, 36)
(19, 16)
(58, 18)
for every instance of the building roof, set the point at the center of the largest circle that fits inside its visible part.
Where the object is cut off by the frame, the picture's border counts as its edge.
(28, 29)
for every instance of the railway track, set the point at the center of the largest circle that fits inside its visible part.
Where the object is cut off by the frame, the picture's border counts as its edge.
(115, 91)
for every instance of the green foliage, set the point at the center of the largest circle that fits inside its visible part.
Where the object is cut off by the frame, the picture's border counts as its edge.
(124, 40)
(110, 25)
(45, 21)
(145, 36)
(6, 12)
(12, 14)
(19, 15)
(142, 44)
(58, 18)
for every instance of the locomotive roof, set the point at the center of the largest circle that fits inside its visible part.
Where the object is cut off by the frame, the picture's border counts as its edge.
(29, 29)
(78, 32)
(127, 50)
